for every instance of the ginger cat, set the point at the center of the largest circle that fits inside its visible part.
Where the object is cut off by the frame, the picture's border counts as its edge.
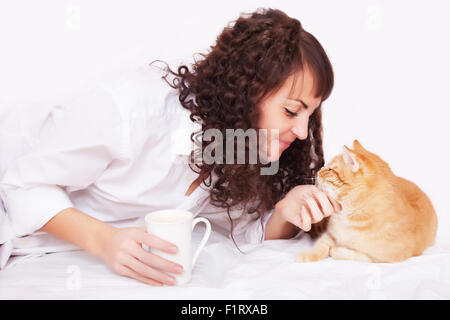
(384, 218)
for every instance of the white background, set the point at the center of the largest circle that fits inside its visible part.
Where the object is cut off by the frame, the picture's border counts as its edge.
(390, 60)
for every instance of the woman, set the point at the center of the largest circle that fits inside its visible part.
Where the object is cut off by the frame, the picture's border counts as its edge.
(91, 168)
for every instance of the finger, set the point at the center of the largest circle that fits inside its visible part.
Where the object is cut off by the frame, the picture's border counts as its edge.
(156, 261)
(306, 219)
(316, 213)
(127, 272)
(336, 205)
(325, 204)
(153, 241)
(315, 188)
(148, 272)
(304, 191)
(295, 219)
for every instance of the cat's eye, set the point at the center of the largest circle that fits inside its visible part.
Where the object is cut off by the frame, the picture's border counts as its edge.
(334, 171)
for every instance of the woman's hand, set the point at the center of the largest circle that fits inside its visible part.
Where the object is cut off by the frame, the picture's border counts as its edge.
(305, 205)
(123, 252)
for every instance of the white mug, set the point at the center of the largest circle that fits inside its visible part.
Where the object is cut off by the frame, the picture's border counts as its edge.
(176, 226)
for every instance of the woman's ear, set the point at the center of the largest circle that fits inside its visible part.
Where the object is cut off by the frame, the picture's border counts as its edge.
(350, 159)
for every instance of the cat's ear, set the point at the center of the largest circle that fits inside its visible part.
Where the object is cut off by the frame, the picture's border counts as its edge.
(357, 146)
(350, 159)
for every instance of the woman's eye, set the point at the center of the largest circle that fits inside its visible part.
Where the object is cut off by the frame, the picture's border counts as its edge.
(290, 113)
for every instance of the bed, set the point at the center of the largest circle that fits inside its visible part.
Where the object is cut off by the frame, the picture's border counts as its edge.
(265, 271)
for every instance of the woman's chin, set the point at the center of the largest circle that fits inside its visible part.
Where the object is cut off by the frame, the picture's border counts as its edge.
(273, 156)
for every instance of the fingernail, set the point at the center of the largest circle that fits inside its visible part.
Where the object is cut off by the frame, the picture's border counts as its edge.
(170, 280)
(178, 269)
(173, 249)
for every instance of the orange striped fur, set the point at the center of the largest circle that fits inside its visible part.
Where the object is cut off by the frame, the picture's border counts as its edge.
(384, 218)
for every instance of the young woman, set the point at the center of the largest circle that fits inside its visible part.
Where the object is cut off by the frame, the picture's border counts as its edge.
(86, 171)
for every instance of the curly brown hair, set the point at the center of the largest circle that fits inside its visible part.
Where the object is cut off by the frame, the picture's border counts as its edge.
(251, 59)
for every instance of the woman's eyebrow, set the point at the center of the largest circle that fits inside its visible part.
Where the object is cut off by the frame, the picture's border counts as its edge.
(300, 101)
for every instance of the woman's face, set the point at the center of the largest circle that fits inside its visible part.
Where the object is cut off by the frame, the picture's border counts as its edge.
(288, 111)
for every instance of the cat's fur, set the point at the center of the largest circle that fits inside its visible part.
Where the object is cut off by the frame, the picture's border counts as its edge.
(384, 218)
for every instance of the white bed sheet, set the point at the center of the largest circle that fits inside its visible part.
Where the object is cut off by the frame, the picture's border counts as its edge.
(266, 271)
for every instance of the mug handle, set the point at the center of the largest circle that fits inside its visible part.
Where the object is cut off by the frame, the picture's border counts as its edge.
(204, 239)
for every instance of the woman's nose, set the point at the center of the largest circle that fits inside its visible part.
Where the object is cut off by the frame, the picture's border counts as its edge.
(300, 129)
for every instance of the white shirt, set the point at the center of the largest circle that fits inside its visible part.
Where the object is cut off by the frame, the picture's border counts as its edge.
(116, 153)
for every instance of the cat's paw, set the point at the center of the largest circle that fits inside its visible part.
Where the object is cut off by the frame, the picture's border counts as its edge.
(342, 253)
(309, 256)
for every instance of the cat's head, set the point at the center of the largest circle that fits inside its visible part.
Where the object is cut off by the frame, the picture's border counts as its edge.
(352, 175)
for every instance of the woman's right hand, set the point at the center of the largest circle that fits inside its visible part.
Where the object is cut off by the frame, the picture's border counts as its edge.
(123, 252)
(305, 205)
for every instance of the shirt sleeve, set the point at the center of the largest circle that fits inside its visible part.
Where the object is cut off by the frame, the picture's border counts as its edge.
(73, 147)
